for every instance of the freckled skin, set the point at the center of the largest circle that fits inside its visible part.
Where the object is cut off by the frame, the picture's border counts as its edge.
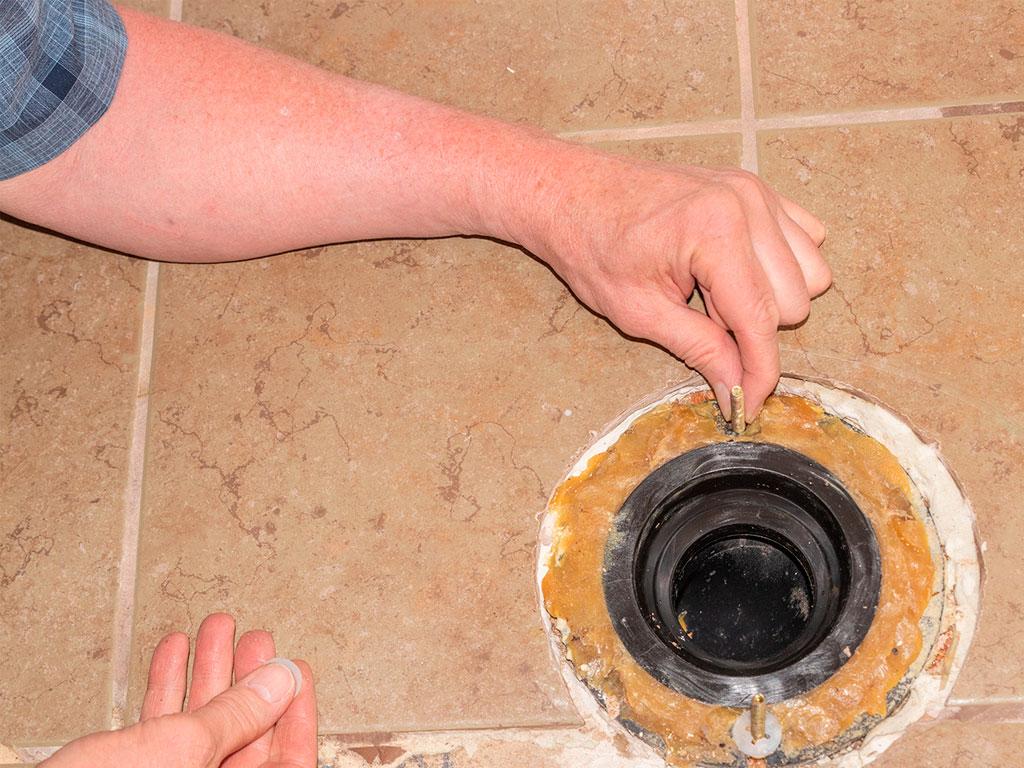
(586, 505)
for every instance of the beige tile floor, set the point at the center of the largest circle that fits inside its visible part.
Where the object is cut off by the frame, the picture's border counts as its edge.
(349, 445)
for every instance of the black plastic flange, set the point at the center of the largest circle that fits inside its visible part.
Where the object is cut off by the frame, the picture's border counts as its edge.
(739, 568)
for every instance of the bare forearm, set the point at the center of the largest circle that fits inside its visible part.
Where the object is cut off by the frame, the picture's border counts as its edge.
(214, 149)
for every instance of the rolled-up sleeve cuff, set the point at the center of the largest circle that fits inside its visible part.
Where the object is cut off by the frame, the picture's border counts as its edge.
(60, 62)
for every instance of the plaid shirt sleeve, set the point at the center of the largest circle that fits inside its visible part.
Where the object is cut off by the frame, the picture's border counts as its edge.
(60, 61)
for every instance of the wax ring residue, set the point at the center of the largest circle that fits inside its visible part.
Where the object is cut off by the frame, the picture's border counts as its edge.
(686, 730)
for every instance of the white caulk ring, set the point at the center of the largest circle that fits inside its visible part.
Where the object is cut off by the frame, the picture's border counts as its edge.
(949, 514)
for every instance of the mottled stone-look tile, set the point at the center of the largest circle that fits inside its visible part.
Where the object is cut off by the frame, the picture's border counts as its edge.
(68, 323)
(156, 7)
(955, 745)
(950, 744)
(721, 150)
(812, 56)
(577, 65)
(350, 446)
(927, 314)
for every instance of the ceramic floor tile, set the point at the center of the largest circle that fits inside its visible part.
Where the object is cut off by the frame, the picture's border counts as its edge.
(720, 150)
(595, 63)
(547, 748)
(68, 321)
(155, 7)
(350, 446)
(926, 314)
(812, 56)
(950, 744)
(955, 745)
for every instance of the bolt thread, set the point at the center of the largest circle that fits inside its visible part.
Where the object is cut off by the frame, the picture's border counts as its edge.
(758, 712)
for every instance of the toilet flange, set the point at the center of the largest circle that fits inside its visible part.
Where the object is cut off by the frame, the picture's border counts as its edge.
(740, 568)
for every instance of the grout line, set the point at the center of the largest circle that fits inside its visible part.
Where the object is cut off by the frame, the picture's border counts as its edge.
(826, 119)
(664, 131)
(986, 701)
(982, 711)
(849, 118)
(748, 119)
(360, 737)
(127, 573)
(124, 605)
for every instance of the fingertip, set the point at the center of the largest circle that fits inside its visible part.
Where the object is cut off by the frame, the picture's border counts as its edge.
(292, 667)
(173, 640)
(307, 674)
(253, 649)
(721, 391)
(170, 653)
(217, 622)
(256, 641)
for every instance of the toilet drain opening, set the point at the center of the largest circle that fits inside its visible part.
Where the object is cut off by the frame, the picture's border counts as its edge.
(744, 596)
(740, 568)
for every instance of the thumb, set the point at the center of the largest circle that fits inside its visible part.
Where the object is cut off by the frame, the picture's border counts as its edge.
(251, 707)
(701, 344)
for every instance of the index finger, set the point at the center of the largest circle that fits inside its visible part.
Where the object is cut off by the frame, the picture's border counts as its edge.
(739, 289)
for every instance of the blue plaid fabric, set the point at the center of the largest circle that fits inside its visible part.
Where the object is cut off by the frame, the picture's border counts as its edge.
(60, 61)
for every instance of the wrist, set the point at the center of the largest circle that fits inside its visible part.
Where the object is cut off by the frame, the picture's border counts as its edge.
(519, 186)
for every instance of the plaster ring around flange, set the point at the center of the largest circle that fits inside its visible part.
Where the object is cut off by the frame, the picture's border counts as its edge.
(949, 519)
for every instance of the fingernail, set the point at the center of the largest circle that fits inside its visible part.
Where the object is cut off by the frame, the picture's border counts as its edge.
(292, 667)
(277, 680)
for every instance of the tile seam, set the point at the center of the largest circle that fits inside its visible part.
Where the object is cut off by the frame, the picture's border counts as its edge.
(748, 120)
(663, 131)
(341, 738)
(987, 713)
(987, 701)
(819, 120)
(124, 606)
(357, 738)
(362, 737)
(859, 117)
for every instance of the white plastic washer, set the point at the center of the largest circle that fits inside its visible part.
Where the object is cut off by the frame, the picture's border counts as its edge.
(764, 746)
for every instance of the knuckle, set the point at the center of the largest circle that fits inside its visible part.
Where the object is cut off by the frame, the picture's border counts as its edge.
(752, 189)
(722, 208)
(241, 716)
(703, 354)
(197, 743)
(746, 183)
(796, 310)
(820, 281)
(763, 316)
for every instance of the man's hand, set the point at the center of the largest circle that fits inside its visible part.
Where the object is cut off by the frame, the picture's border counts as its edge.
(633, 240)
(260, 722)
